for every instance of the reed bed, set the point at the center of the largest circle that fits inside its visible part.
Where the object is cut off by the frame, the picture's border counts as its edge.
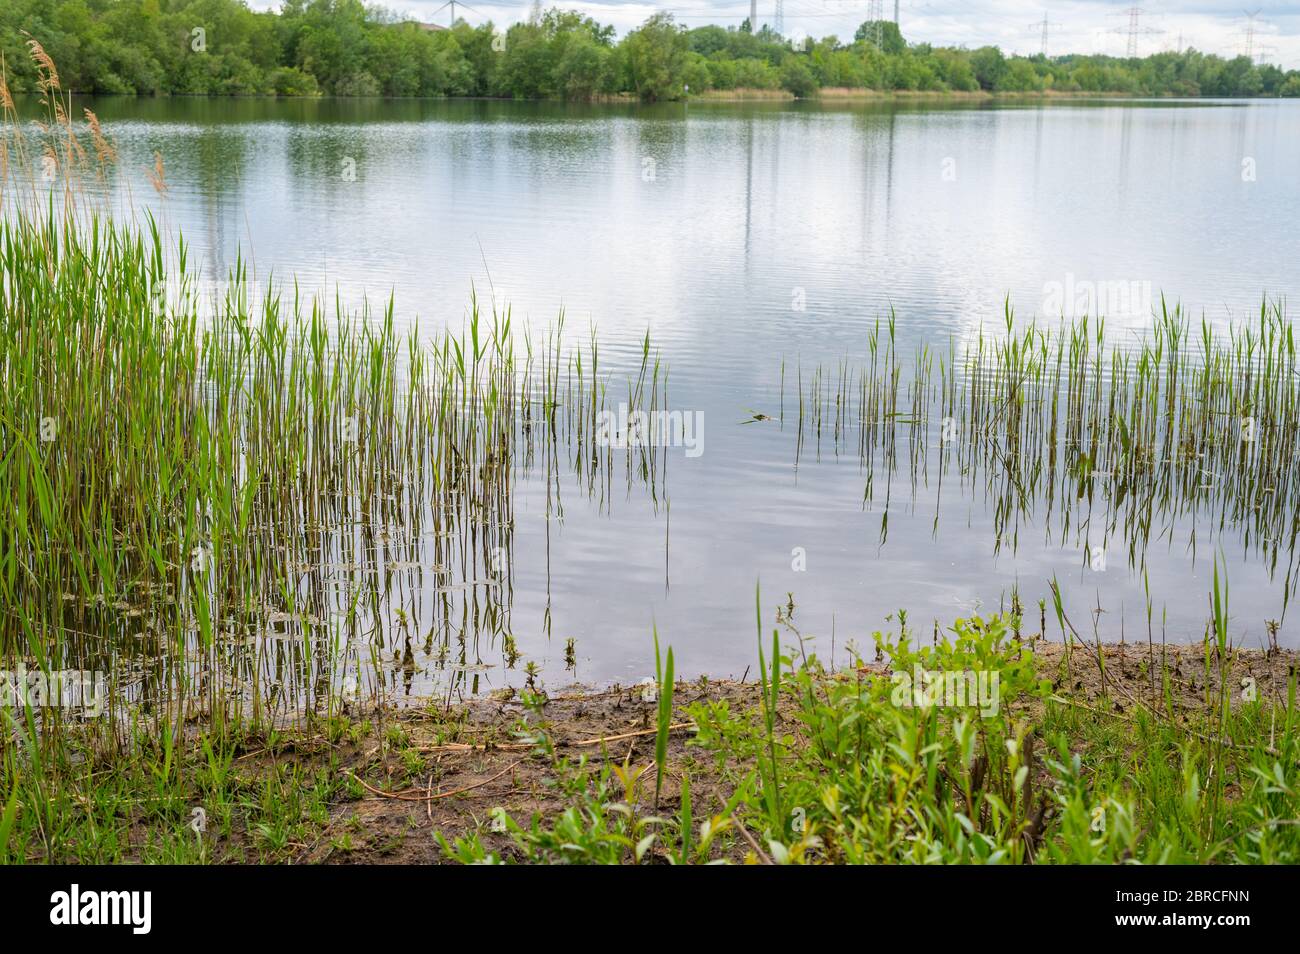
(239, 502)
(237, 506)
(1091, 440)
(246, 509)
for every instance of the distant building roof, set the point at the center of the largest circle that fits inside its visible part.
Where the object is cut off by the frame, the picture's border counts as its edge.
(431, 27)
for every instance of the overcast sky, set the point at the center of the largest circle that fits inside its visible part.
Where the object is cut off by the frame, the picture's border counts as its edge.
(1086, 26)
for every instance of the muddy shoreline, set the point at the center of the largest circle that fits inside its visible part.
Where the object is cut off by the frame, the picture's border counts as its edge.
(401, 785)
(476, 762)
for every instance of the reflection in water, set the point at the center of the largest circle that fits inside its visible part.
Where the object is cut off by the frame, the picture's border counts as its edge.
(545, 206)
(1103, 452)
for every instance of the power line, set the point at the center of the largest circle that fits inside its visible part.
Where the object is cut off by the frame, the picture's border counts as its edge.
(449, 3)
(1250, 31)
(1134, 30)
(452, 5)
(1252, 23)
(1045, 25)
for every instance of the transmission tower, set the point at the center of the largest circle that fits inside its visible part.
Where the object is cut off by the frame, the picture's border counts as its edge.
(778, 18)
(1043, 25)
(875, 14)
(1249, 32)
(450, 3)
(1134, 30)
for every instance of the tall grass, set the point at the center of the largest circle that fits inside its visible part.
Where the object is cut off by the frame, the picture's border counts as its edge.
(234, 500)
(1100, 442)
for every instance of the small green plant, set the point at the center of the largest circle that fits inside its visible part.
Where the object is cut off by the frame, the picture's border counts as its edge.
(665, 679)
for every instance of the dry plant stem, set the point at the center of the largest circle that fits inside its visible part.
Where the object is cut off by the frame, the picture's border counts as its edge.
(522, 746)
(403, 797)
(763, 856)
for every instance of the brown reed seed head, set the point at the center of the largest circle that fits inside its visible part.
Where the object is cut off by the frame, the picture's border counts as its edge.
(48, 80)
(104, 150)
(157, 175)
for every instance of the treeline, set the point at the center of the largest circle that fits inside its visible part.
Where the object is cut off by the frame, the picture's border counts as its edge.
(341, 47)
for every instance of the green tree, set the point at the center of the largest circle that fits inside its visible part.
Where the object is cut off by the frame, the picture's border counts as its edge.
(989, 64)
(345, 47)
(883, 34)
(797, 78)
(527, 67)
(656, 55)
(753, 73)
(696, 77)
(1019, 77)
(582, 68)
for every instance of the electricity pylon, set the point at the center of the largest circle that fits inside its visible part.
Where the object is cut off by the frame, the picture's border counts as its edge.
(1134, 30)
(1044, 25)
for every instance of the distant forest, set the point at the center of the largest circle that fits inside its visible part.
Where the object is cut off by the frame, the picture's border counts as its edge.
(342, 48)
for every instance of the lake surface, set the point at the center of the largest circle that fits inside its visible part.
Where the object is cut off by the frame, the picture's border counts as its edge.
(742, 237)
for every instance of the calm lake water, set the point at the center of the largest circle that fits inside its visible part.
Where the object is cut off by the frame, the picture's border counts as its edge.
(743, 236)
